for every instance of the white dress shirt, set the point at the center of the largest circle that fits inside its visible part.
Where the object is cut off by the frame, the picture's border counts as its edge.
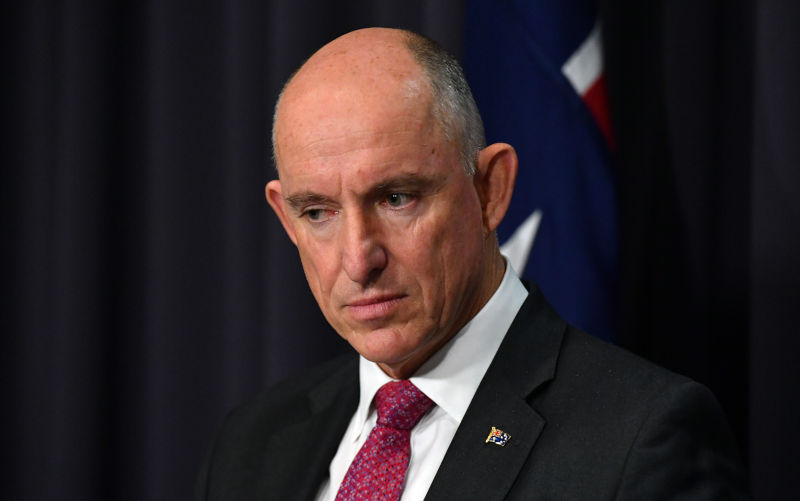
(450, 378)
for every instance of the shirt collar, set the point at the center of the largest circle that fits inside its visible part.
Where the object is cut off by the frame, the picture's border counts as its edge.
(451, 376)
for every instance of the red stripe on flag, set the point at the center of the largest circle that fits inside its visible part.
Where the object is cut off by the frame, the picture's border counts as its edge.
(596, 100)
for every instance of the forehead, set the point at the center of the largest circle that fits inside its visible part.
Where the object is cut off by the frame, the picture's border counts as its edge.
(358, 159)
(361, 85)
(357, 107)
(329, 128)
(346, 122)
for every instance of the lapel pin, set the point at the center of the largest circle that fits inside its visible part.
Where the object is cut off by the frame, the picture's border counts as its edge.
(498, 437)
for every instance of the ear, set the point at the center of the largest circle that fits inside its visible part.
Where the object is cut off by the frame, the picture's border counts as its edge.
(275, 199)
(494, 180)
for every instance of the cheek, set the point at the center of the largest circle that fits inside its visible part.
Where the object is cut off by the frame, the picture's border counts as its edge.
(319, 264)
(419, 244)
(440, 252)
(458, 250)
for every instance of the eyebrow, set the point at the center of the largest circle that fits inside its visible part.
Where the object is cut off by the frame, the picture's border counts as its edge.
(416, 182)
(300, 200)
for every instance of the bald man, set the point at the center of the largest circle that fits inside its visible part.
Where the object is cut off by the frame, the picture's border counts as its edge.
(392, 199)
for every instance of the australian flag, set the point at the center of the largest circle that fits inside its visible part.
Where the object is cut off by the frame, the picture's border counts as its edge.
(498, 437)
(536, 69)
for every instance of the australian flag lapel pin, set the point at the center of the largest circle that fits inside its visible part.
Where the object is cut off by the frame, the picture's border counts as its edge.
(498, 437)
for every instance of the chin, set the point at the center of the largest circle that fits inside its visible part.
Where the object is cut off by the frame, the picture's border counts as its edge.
(384, 346)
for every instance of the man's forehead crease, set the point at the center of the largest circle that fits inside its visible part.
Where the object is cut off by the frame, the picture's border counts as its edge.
(335, 173)
(327, 143)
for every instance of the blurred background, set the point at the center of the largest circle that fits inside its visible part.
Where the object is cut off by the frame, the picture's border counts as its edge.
(148, 287)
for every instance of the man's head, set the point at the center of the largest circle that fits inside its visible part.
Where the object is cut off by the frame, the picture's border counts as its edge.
(395, 233)
(453, 105)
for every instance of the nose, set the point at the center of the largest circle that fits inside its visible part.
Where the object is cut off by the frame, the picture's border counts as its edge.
(363, 254)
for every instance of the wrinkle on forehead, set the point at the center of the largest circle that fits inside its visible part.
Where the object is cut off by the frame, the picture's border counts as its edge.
(343, 144)
(356, 98)
(320, 129)
(344, 120)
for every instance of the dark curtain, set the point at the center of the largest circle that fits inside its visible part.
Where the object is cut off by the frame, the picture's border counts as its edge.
(148, 289)
(705, 107)
(773, 345)
(681, 102)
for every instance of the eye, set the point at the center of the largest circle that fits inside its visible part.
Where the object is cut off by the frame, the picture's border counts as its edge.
(318, 215)
(315, 214)
(397, 200)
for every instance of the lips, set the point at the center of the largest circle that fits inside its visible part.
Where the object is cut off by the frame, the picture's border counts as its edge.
(374, 308)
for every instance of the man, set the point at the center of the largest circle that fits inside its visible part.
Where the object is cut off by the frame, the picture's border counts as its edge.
(392, 200)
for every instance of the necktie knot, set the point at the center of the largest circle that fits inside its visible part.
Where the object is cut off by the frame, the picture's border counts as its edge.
(400, 404)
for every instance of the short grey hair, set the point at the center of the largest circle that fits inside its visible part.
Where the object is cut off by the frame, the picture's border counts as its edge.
(454, 106)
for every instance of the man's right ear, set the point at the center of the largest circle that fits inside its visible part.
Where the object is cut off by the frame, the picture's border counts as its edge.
(275, 199)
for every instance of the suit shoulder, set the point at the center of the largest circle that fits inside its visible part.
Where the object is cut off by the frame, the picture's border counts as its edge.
(252, 439)
(289, 397)
(657, 434)
(583, 354)
(617, 386)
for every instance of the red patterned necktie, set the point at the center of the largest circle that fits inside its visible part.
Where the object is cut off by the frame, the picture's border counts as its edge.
(379, 468)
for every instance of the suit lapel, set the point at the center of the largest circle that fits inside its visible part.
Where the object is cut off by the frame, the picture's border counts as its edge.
(306, 447)
(474, 469)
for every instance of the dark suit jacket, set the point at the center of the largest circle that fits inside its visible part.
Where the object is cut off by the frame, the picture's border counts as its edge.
(587, 421)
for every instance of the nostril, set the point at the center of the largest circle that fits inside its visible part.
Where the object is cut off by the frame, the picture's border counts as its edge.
(365, 263)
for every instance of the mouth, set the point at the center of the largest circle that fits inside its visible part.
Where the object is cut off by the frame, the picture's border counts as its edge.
(370, 309)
